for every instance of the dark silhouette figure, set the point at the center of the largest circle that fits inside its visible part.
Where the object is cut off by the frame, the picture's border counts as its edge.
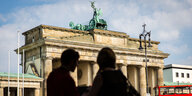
(108, 81)
(59, 82)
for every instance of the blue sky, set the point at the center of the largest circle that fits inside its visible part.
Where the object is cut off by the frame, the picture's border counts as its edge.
(169, 20)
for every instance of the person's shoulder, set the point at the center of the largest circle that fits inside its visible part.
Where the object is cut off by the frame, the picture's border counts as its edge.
(56, 72)
(113, 74)
(52, 74)
(119, 72)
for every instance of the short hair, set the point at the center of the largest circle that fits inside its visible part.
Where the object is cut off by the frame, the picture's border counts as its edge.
(69, 55)
(106, 58)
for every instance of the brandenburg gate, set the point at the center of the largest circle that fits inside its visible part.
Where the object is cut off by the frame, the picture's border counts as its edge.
(44, 45)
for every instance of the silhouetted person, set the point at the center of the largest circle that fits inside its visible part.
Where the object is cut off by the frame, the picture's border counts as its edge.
(108, 81)
(59, 82)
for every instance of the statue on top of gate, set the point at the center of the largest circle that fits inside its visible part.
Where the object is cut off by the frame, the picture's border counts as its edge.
(94, 23)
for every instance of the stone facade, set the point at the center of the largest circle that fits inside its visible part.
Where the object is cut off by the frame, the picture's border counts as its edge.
(44, 45)
(31, 86)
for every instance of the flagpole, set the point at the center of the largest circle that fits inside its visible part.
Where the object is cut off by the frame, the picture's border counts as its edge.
(18, 64)
(9, 71)
(23, 69)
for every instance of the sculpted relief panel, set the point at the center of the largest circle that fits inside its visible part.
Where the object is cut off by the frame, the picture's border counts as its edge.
(109, 40)
(57, 33)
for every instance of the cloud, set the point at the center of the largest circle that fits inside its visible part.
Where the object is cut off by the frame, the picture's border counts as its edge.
(187, 61)
(189, 2)
(175, 49)
(168, 35)
(57, 14)
(2, 18)
(60, 13)
(8, 42)
(165, 18)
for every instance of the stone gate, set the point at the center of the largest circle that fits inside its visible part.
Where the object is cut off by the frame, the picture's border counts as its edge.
(44, 45)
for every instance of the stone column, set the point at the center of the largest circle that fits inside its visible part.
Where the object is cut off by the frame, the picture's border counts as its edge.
(37, 91)
(1, 92)
(124, 69)
(160, 76)
(142, 81)
(20, 92)
(89, 73)
(151, 80)
(47, 70)
(95, 69)
(135, 77)
(74, 76)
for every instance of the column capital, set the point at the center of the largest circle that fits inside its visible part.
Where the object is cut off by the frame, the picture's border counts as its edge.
(37, 91)
(49, 58)
(140, 66)
(92, 62)
(160, 67)
(124, 69)
(121, 64)
(37, 88)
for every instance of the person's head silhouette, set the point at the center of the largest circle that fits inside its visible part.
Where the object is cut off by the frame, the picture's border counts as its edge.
(69, 59)
(106, 58)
